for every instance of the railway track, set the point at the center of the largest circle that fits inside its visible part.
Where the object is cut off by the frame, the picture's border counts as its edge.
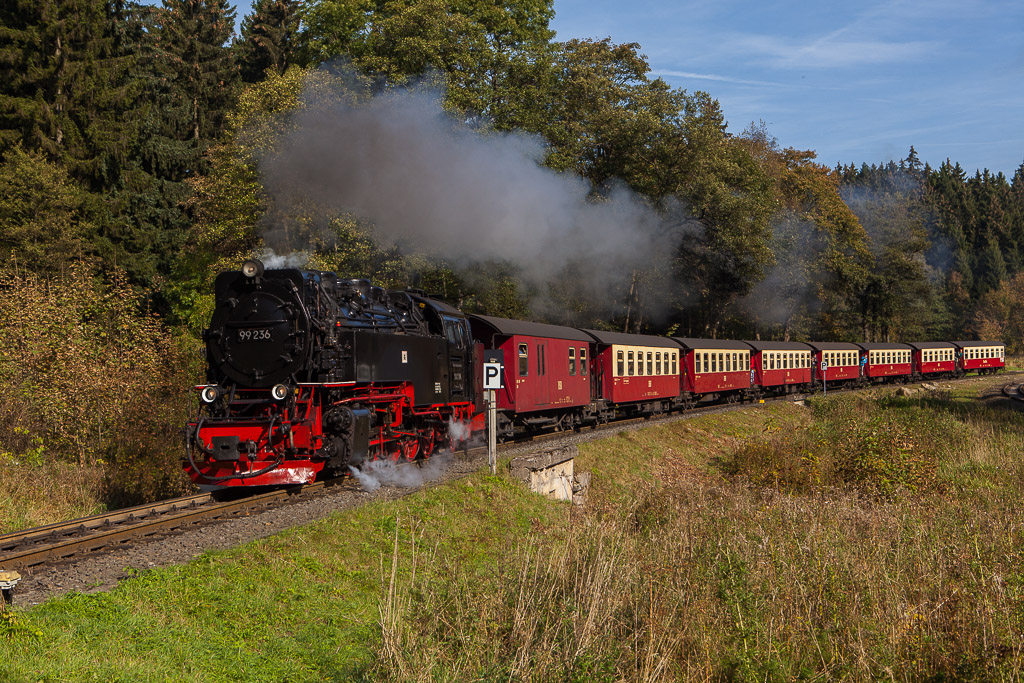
(66, 542)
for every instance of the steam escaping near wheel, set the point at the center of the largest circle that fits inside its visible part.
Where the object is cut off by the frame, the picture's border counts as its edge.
(376, 473)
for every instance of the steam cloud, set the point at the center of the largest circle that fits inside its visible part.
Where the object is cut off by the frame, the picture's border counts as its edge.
(377, 473)
(400, 161)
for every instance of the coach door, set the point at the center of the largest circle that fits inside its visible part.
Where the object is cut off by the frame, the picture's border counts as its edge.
(543, 387)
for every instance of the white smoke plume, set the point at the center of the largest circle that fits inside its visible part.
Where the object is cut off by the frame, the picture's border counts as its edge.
(295, 259)
(376, 473)
(400, 162)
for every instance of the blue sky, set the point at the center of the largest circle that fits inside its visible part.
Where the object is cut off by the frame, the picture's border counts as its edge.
(854, 81)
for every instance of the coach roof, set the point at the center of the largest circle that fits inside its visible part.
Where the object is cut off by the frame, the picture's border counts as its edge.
(777, 346)
(507, 327)
(691, 343)
(833, 346)
(931, 345)
(605, 337)
(879, 346)
(971, 344)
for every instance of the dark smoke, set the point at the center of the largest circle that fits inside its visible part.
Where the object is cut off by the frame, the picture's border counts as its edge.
(400, 162)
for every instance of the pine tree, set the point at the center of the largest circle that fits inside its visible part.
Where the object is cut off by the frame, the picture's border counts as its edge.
(199, 67)
(61, 70)
(913, 161)
(268, 38)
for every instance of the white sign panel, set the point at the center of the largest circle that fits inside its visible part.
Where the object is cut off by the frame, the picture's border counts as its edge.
(492, 375)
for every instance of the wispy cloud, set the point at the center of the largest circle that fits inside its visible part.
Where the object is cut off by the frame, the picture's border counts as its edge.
(830, 52)
(718, 78)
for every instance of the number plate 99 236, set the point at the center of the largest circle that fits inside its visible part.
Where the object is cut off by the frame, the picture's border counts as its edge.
(255, 334)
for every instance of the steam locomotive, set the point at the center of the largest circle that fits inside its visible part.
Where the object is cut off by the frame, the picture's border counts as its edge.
(310, 374)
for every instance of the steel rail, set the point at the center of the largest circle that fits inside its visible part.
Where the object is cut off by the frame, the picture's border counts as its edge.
(63, 541)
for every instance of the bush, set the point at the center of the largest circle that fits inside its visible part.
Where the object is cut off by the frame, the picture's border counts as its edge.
(88, 376)
(878, 446)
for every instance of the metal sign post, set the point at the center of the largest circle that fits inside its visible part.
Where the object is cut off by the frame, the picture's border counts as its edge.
(492, 382)
(492, 431)
(824, 386)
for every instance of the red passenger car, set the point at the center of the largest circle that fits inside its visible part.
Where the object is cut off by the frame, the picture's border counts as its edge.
(984, 356)
(781, 367)
(636, 369)
(934, 359)
(842, 362)
(715, 367)
(887, 361)
(547, 371)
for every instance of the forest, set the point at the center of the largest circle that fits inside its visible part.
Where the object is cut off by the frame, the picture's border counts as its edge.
(456, 147)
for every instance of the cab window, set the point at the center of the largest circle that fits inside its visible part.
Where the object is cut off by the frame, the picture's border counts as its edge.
(453, 331)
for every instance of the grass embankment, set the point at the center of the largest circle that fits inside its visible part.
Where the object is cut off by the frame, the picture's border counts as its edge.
(858, 537)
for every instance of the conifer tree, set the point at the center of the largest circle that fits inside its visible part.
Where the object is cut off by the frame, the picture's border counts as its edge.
(268, 38)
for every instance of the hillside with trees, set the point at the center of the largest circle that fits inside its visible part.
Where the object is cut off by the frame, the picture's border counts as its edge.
(134, 148)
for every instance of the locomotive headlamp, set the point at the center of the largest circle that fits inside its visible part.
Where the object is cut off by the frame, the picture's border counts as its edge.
(252, 268)
(279, 392)
(209, 394)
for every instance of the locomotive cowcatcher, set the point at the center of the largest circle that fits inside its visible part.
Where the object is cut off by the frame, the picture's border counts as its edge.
(310, 373)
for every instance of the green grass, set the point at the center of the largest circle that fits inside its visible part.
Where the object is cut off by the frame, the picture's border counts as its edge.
(692, 560)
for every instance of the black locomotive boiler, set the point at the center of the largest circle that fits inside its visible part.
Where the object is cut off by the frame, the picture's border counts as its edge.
(308, 372)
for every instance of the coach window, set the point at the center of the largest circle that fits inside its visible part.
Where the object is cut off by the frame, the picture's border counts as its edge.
(621, 362)
(524, 360)
(657, 362)
(714, 362)
(632, 364)
(697, 368)
(650, 362)
(675, 368)
(583, 361)
(572, 362)
(640, 362)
